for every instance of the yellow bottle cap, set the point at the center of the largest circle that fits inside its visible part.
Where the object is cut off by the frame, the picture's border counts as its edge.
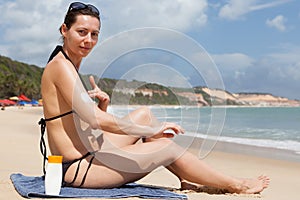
(55, 159)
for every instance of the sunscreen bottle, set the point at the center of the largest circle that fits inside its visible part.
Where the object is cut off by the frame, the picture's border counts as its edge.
(53, 177)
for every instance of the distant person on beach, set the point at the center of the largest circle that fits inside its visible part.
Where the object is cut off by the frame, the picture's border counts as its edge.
(129, 148)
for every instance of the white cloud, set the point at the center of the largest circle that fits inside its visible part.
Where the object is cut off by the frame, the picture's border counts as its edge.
(269, 5)
(233, 66)
(157, 73)
(24, 21)
(233, 61)
(287, 61)
(236, 9)
(277, 73)
(181, 15)
(29, 29)
(277, 22)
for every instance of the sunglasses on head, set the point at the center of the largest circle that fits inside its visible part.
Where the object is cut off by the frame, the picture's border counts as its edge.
(75, 6)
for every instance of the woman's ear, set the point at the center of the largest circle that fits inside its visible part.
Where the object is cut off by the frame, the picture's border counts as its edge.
(63, 29)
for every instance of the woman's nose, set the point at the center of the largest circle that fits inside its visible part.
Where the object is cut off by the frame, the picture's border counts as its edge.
(88, 38)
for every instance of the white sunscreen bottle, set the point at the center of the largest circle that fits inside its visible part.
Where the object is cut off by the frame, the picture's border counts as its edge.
(53, 177)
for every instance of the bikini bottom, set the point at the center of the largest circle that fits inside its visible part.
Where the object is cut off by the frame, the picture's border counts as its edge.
(66, 165)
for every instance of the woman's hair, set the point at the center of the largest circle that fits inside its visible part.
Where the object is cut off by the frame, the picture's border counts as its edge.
(71, 16)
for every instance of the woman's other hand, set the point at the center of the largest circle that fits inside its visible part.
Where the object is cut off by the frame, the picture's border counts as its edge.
(168, 130)
(96, 92)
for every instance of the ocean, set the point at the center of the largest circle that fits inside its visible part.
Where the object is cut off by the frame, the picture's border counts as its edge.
(271, 127)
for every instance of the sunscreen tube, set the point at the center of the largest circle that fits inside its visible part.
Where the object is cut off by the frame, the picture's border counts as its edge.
(53, 178)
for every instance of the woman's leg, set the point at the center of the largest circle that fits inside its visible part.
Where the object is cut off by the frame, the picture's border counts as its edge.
(145, 117)
(118, 166)
(187, 166)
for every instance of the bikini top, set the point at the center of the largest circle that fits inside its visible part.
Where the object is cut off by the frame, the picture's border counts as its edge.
(43, 121)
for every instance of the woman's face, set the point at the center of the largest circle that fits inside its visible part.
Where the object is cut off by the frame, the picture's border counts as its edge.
(82, 36)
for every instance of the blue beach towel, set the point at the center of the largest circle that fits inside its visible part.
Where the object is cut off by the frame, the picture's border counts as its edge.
(33, 187)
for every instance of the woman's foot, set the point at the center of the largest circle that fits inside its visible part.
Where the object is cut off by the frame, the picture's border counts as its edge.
(243, 186)
(185, 185)
(250, 186)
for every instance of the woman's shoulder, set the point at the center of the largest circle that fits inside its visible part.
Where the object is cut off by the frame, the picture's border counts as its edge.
(57, 63)
(60, 66)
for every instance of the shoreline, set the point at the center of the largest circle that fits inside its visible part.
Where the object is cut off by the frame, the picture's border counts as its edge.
(236, 148)
(19, 142)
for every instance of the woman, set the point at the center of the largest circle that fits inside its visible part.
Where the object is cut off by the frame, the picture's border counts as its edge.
(120, 155)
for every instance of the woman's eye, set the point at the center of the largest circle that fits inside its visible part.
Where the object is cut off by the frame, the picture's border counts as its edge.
(82, 32)
(95, 35)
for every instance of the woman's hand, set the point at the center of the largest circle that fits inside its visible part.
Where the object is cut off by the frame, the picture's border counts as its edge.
(168, 130)
(96, 92)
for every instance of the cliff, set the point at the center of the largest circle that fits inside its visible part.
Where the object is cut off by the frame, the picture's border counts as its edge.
(222, 97)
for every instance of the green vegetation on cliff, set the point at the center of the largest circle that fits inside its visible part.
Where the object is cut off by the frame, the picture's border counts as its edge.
(19, 78)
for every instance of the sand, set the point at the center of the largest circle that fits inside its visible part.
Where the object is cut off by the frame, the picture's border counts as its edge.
(19, 153)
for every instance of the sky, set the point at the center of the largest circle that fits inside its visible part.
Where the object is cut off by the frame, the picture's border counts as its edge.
(236, 45)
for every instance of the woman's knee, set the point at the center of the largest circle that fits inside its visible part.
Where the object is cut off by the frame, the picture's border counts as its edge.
(144, 111)
(171, 148)
(142, 115)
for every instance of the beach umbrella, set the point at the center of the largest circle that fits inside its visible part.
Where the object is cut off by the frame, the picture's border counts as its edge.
(40, 102)
(15, 98)
(34, 102)
(2, 102)
(10, 102)
(7, 102)
(22, 97)
(23, 103)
